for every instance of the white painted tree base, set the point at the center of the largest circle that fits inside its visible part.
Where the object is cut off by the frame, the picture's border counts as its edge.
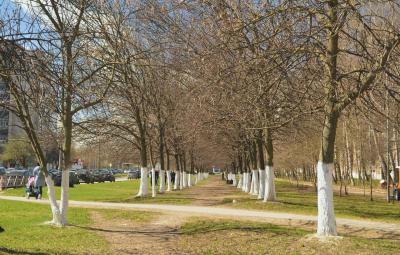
(261, 192)
(239, 186)
(153, 183)
(162, 181)
(326, 214)
(177, 179)
(144, 187)
(185, 180)
(64, 197)
(270, 194)
(168, 180)
(55, 209)
(181, 176)
(255, 183)
(248, 183)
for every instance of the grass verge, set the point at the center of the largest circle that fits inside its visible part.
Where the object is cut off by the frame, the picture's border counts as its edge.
(119, 192)
(26, 233)
(239, 237)
(303, 200)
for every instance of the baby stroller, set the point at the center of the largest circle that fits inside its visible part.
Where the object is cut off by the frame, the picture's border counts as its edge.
(30, 189)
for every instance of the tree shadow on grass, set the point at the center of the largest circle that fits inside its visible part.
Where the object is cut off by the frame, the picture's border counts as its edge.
(146, 232)
(207, 227)
(19, 252)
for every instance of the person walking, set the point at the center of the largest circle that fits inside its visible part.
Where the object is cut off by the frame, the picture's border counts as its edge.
(39, 180)
(173, 177)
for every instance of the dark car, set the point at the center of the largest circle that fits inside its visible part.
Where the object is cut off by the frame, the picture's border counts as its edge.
(98, 176)
(57, 176)
(73, 177)
(2, 171)
(115, 171)
(107, 175)
(134, 174)
(17, 172)
(85, 176)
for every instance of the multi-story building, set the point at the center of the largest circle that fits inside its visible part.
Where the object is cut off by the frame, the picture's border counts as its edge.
(10, 124)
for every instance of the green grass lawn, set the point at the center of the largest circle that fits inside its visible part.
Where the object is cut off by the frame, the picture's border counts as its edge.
(107, 191)
(25, 232)
(239, 237)
(120, 175)
(134, 216)
(304, 200)
(124, 191)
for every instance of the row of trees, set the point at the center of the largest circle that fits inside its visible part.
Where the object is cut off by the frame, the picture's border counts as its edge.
(90, 69)
(286, 72)
(195, 82)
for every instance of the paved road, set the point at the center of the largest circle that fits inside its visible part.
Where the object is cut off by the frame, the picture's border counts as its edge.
(221, 212)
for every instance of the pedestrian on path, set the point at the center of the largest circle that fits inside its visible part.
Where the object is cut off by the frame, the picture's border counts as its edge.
(39, 180)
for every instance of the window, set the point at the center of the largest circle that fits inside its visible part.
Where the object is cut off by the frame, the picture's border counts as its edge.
(3, 123)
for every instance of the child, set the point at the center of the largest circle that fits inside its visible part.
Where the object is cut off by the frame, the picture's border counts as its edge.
(30, 190)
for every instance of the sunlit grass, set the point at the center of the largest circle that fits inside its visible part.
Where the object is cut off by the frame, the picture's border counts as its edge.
(26, 233)
(303, 199)
(202, 236)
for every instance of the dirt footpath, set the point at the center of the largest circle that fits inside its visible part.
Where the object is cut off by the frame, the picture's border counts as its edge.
(126, 237)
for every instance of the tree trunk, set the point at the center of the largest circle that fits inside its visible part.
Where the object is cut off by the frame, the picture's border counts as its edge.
(381, 157)
(261, 165)
(254, 188)
(177, 173)
(162, 165)
(169, 187)
(143, 188)
(270, 194)
(326, 214)
(67, 129)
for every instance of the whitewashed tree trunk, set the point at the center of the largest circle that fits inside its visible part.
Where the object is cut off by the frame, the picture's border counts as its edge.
(239, 185)
(153, 182)
(251, 176)
(248, 183)
(177, 179)
(261, 192)
(244, 182)
(256, 182)
(234, 180)
(64, 196)
(270, 194)
(55, 209)
(326, 215)
(168, 180)
(189, 179)
(185, 179)
(181, 180)
(162, 181)
(197, 179)
(143, 188)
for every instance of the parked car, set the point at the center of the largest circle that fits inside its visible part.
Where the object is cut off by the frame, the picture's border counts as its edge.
(98, 176)
(73, 177)
(116, 171)
(18, 172)
(57, 176)
(134, 174)
(107, 175)
(2, 171)
(85, 176)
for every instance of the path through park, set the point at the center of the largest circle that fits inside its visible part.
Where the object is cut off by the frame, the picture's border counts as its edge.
(159, 235)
